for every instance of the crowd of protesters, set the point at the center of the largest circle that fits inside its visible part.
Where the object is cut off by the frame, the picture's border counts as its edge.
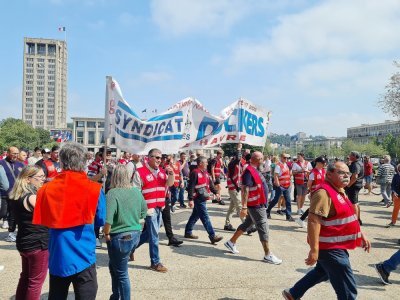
(51, 197)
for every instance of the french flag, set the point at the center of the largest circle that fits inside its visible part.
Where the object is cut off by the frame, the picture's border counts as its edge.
(61, 28)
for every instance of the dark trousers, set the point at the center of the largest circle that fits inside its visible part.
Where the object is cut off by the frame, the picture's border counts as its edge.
(84, 282)
(7, 212)
(166, 217)
(34, 272)
(335, 266)
(286, 194)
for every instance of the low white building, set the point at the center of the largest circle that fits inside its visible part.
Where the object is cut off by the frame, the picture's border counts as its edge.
(366, 132)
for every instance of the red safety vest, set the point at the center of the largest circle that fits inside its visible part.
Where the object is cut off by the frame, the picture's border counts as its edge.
(284, 178)
(203, 181)
(235, 179)
(319, 178)
(256, 193)
(341, 231)
(217, 168)
(154, 187)
(52, 171)
(299, 178)
(177, 173)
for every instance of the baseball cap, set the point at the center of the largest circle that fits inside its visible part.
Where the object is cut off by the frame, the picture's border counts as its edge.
(320, 159)
(46, 150)
(285, 155)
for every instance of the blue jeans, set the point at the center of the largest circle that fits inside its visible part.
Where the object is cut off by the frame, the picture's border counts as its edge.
(200, 212)
(174, 195)
(181, 196)
(392, 263)
(150, 234)
(386, 191)
(335, 266)
(119, 248)
(286, 194)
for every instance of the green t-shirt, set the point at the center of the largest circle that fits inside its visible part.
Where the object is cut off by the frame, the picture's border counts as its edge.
(125, 208)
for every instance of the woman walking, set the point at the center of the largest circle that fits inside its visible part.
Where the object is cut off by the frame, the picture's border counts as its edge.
(125, 207)
(32, 240)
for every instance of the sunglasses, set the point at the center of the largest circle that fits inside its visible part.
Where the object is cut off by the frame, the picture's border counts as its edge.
(157, 157)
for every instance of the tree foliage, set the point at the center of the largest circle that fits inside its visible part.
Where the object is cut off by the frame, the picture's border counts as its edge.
(15, 132)
(390, 101)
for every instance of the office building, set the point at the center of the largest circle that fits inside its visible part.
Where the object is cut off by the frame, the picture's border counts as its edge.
(44, 92)
(365, 133)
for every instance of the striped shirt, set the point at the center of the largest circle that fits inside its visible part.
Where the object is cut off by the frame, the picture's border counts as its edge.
(385, 173)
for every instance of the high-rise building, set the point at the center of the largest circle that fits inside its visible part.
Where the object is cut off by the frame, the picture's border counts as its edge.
(44, 92)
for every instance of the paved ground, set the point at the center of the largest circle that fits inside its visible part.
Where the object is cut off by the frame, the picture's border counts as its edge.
(199, 270)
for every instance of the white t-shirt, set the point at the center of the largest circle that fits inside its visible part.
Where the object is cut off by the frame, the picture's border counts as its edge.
(297, 168)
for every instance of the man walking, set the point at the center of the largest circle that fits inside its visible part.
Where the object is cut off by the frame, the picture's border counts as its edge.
(51, 167)
(384, 178)
(254, 200)
(332, 230)
(356, 181)
(199, 190)
(216, 172)
(153, 182)
(12, 167)
(301, 170)
(282, 186)
(71, 205)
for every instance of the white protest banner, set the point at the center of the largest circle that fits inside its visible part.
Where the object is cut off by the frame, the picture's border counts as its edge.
(186, 125)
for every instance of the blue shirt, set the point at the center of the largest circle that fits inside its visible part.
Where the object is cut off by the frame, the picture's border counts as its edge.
(73, 250)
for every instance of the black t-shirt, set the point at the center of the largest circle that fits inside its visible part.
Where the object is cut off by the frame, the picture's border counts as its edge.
(357, 168)
(29, 237)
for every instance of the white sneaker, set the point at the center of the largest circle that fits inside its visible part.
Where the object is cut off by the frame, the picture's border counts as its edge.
(272, 259)
(98, 244)
(12, 237)
(231, 247)
(301, 223)
(5, 225)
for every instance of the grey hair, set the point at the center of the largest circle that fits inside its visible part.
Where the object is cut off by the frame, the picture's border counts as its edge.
(331, 167)
(200, 159)
(73, 157)
(154, 150)
(120, 177)
(386, 159)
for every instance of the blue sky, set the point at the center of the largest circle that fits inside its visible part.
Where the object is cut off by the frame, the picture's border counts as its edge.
(319, 66)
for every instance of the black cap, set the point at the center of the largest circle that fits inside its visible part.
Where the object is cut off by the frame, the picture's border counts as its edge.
(321, 159)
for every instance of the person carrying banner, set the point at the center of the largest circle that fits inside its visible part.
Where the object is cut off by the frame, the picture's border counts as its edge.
(51, 167)
(71, 215)
(153, 182)
(333, 229)
(254, 200)
(216, 172)
(199, 191)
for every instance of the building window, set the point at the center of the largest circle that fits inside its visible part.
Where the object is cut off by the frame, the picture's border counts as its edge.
(91, 124)
(100, 124)
(79, 137)
(30, 48)
(91, 137)
(29, 65)
(41, 49)
(101, 134)
(80, 123)
(51, 49)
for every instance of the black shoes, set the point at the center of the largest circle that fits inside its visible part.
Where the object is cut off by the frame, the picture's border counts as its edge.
(229, 227)
(174, 242)
(383, 275)
(183, 206)
(268, 215)
(215, 201)
(221, 202)
(290, 219)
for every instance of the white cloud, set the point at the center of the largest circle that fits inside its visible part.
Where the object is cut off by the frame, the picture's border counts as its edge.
(179, 17)
(335, 28)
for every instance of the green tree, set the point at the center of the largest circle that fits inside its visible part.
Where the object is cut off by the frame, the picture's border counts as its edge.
(15, 132)
(392, 145)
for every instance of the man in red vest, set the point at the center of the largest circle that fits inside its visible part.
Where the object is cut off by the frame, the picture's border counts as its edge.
(199, 191)
(254, 200)
(154, 182)
(216, 172)
(51, 167)
(282, 185)
(333, 229)
(301, 170)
